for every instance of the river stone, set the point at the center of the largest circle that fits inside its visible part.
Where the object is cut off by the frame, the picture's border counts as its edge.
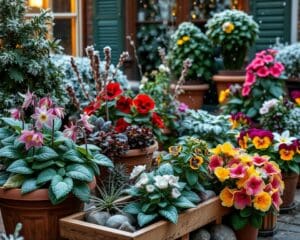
(207, 194)
(126, 226)
(116, 221)
(99, 218)
(222, 232)
(200, 234)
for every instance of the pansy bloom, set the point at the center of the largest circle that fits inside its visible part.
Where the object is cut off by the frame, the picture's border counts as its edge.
(143, 103)
(287, 152)
(111, 91)
(261, 139)
(196, 162)
(175, 150)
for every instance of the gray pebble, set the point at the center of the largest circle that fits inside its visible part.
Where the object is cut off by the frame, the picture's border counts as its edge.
(99, 218)
(207, 194)
(222, 232)
(126, 226)
(116, 221)
(200, 234)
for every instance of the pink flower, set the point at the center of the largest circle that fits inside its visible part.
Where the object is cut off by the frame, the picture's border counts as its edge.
(28, 99)
(57, 111)
(250, 79)
(183, 107)
(241, 199)
(276, 199)
(263, 72)
(71, 132)
(43, 117)
(270, 169)
(268, 58)
(275, 71)
(261, 54)
(246, 90)
(257, 63)
(15, 113)
(215, 161)
(238, 171)
(254, 185)
(276, 182)
(84, 119)
(259, 160)
(280, 66)
(45, 102)
(31, 139)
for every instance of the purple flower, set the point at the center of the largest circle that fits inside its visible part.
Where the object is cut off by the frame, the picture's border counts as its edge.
(28, 99)
(15, 113)
(57, 111)
(31, 139)
(84, 120)
(183, 107)
(71, 132)
(43, 117)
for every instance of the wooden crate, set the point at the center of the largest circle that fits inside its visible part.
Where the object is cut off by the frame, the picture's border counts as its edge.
(75, 228)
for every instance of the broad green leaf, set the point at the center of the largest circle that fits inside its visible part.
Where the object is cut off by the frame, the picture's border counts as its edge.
(170, 213)
(14, 181)
(256, 220)
(9, 152)
(45, 153)
(81, 191)
(183, 202)
(53, 199)
(165, 169)
(163, 204)
(5, 133)
(79, 172)
(294, 167)
(193, 197)
(16, 124)
(42, 165)
(246, 212)
(20, 166)
(72, 155)
(3, 177)
(251, 112)
(45, 176)
(103, 160)
(61, 187)
(132, 208)
(238, 222)
(29, 185)
(191, 176)
(144, 219)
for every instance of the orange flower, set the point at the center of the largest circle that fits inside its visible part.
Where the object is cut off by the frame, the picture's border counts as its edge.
(222, 173)
(262, 201)
(224, 94)
(261, 142)
(286, 154)
(226, 197)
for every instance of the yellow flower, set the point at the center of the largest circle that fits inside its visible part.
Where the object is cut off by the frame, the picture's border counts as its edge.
(217, 150)
(158, 160)
(297, 100)
(245, 158)
(186, 38)
(250, 172)
(175, 150)
(226, 196)
(286, 154)
(262, 201)
(228, 149)
(222, 173)
(180, 42)
(228, 27)
(224, 94)
(196, 162)
(261, 143)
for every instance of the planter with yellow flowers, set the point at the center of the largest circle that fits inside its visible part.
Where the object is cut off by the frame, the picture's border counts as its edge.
(234, 32)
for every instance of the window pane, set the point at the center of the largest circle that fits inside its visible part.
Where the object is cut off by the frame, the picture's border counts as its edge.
(203, 10)
(63, 30)
(63, 6)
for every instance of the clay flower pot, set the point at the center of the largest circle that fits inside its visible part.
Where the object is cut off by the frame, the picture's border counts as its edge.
(290, 186)
(136, 157)
(34, 210)
(247, 233)
(269, 225)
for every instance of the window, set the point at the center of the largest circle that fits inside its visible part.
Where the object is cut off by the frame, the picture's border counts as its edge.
(67, 22)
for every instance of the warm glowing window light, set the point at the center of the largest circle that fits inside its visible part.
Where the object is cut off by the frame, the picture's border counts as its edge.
(36, 3)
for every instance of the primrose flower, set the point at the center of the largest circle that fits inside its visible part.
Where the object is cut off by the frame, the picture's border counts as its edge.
(214, 162)
(196, 162)
(254, 185)
(283, 138)
(31, 138)
(238, 171)
(28, 99)
(15, 113)
(271, 168)
(262, 201)
(70, 132)
(84, 119)
(276, 199)
(241, 199)
(227, 196)
(43, 117)
(222, 173)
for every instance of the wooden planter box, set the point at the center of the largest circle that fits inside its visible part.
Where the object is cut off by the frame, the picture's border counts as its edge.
(75, 228)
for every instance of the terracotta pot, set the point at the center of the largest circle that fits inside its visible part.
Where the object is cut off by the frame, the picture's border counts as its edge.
(290, 186)
(34, 210)
(269, 225)
(224, 79)
(136, 157)
(193, 95)
(247, 233)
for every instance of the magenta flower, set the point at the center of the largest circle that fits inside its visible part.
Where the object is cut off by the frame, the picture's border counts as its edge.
(295, 94)
(259, 160)
(28, 99)
(268, 58)
(238, 171)
(254, 185)
(183, 107)
(45, 102)
(275, 71)
(215, 161)
(260, 133)
(71, 132)
(261, 54)
(15, 113)
(84, 120)
(263, 72)
(257, 63)
(57, 111)
(241, 199)
(246, 90)
(31, 139)
(43, 117)
(270, 169)
(250, 79)
(276, 182)
(276, 199)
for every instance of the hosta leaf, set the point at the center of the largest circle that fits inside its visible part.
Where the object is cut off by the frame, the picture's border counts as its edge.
(132, 208)
(53, 199)
(103, 160)
(170, 213)
(238, 222)
(72, 155)
(20, 166)
(29, 185)
(193, 197)
(45, 153)
(144, 219)
(183, 202)
(45, 176)
(9, 152)
(16, 124)
(61, 187)
(3, 177)
(14, 181)
(4, 133)
(79, 172)
(191, 176)
(82, 191)
(42, 165)
(165, 169)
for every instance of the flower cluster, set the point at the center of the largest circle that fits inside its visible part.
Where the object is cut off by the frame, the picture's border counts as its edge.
(282, 148)
(182, 40)
(250, 184)
(239, 120)
(264, 65)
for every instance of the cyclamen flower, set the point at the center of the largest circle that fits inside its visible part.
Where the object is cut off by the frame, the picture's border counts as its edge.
(43, 117)
(31, 138)
(268, 58)
(57, 111)
(71, 132)
(250, 78)
(263, 72)
(15, 113)
(161, 182)
(143, 180)
(275, 71)
(241, 199)
(150, 188)
(84, 119)
(246, 90)
(254, 185)
(183, 107)
(28, 99)
(45, 102)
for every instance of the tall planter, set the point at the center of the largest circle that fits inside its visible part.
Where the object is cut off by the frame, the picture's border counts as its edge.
(34, 210)
(290, 186)
(247, 233)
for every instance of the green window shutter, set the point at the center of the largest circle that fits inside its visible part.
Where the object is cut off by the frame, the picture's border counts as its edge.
(108, 26)
(274, 19)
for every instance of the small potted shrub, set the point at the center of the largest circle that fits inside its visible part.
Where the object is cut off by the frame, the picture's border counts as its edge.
(234, 32)
(44, 174)
(188, 42)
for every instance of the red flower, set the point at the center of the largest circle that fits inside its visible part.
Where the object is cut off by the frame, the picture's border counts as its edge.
(143, 103)
(112, 91)
(121, 125)
(92, 107)
(157, 120)
(124, 104)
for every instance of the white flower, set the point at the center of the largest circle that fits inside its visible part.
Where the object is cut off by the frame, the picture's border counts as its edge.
(282, 138)
(142, 181)
(144, 80)
(263, 110)
(137, 170)
(175, 193)
(163, 68)
(173, 181)
(150, 188)
(161, 182)
(267, 105)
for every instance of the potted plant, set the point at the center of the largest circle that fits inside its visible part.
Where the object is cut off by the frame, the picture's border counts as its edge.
(44, 174)
(234, 32)
(188, 42)
(250, 185)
